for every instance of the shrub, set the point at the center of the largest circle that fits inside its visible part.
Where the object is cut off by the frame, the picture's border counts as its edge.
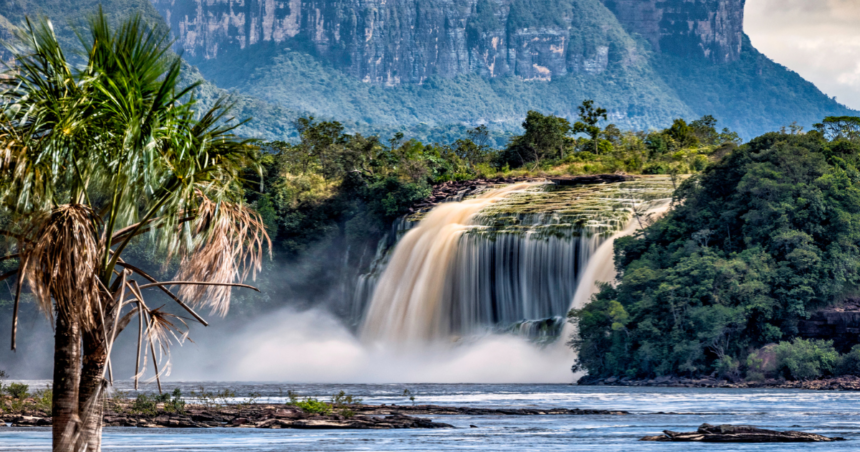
(755, 376)
(727, 367)
(44, 399)
(850, 364)
(656, 168)
(312, 405)
(18, 390)
(175, 404)
(762, 362)
(144, 404)
(309, 404)
(700, 162)
(803, 359)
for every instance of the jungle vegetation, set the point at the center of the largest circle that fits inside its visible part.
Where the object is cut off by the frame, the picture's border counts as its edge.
(754, 245)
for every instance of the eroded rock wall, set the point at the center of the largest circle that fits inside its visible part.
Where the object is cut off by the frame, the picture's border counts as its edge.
(695, 28)
(391, 42)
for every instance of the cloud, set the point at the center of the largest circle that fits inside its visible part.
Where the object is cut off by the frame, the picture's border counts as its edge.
(818, 39)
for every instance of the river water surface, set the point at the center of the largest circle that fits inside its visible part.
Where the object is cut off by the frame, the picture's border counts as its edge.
(651, 411)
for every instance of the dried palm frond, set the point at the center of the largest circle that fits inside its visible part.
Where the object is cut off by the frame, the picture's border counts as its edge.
(165, 327)
(63, 264)
(227, 245)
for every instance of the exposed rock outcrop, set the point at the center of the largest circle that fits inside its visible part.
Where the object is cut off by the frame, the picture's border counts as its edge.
(407, 41)
(457, 190)
(840, 323)
(693, 28)
(285, 416)
(739, 434)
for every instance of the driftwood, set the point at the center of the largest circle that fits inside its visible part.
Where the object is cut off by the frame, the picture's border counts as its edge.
(739, 434)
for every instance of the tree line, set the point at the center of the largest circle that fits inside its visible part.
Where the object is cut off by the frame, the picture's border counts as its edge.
(757, 243)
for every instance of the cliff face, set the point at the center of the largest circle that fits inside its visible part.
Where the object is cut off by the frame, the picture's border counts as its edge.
(695, 28)
(407, 41)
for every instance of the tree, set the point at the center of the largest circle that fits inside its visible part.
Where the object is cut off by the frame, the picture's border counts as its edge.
(589, 117)
(480, 136)
(683, 134)
(322, 142)
(705, 130)
(92, 159)
(544, 137)
(840, 128)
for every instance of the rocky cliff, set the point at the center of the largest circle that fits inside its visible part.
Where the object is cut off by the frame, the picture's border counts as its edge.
(712, 29)
(407, 41)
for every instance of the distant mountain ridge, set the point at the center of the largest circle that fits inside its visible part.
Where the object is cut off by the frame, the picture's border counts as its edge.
(436, 66)
(408, 41)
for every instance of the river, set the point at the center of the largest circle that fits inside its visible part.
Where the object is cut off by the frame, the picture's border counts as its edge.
(826, 413)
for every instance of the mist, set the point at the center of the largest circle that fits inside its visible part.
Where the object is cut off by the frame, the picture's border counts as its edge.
(313, 346)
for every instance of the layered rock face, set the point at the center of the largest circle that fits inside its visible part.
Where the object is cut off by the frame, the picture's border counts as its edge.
(406, 41)
(694, 28)
(388, 42)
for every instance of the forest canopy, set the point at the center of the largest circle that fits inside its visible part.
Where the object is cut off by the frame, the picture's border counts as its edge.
(755, 244)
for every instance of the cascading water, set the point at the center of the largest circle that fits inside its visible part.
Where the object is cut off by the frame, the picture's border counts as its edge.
(510, 260)
(408, 302)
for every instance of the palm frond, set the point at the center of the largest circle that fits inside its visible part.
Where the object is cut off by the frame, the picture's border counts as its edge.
(231, 239)
(62, 264)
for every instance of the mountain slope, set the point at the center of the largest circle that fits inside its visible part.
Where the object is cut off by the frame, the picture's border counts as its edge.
(434, 62)
(431, 68)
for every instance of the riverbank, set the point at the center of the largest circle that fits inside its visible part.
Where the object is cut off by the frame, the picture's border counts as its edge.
(827, 413)
(271, 416)
(842, 383)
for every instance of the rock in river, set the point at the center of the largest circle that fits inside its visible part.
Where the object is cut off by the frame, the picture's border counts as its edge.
(739, 434)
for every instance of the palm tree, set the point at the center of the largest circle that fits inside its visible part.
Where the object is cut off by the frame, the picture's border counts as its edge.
(91, 159)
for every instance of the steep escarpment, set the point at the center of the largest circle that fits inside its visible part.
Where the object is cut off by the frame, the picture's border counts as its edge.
(407, 41)
(426, 62)
(432, 68)
(690, 28)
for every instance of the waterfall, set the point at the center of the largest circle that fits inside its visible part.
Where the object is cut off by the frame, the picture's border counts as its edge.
(408, 301)
(511, 259)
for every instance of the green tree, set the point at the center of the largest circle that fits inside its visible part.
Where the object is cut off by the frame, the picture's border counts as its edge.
(544, 137)
(323, 143)
(94, 157)
(589, 117)
(840, 128)
(705, 130)
(683, 134)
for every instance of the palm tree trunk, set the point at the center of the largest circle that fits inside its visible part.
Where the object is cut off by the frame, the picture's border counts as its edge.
(67, 377)
(91, 393)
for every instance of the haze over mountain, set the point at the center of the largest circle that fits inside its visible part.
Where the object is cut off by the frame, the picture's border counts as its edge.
(434, 67)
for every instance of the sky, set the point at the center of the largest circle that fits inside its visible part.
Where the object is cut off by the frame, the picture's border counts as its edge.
(818, 39)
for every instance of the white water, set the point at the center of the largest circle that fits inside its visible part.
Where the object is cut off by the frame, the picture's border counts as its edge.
(601, 267)
(409, 303)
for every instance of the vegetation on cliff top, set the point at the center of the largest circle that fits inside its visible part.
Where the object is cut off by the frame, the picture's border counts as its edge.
(756, 243)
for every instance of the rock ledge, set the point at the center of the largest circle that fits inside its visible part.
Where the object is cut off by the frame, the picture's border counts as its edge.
(708, 433)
